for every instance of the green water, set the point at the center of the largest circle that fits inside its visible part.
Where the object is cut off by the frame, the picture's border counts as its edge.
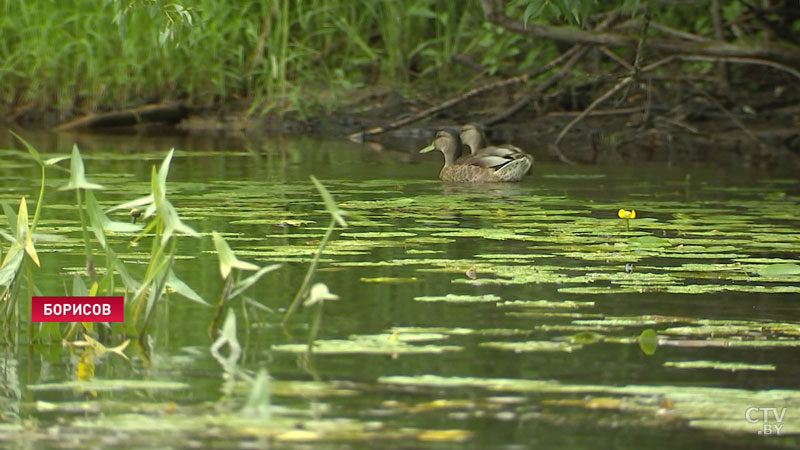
(539, 348)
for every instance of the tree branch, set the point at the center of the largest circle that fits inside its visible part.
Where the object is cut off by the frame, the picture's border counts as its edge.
(783, 53)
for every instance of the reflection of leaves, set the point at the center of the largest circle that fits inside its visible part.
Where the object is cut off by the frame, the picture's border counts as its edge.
(98, 349)
(318, 293)
(227, 335)
(389, 344)
(258, 401)
(717, 408)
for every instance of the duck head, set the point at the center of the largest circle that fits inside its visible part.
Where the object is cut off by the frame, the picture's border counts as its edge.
(472, 137)
(446, 142)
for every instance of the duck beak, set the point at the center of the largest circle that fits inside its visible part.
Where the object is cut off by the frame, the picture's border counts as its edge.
(427, 149)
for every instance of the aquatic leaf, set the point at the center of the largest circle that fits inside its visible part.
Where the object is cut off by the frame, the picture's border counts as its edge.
(163, 170)
(31, 149)
(78, 286)
(227, 259)
(183, 289)
(11, 217)
(24, 235)
(77, 174)
(444, 435)
(649, 241)
(389, 344)
(330, 204)
(388, 279)
(457, 298)
(11, 263)
(96, 217)
(248, 282)
(648, 341)
(532, 346)
(141, 201)
(779, 270)
(566, 304)
(172, 223)
(718, 365)
(586, 337)
(110, 385)
(117, 265)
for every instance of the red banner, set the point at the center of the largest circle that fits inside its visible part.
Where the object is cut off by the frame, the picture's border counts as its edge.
(77, 309)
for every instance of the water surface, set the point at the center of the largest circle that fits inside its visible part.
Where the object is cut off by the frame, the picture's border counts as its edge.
(473, 316)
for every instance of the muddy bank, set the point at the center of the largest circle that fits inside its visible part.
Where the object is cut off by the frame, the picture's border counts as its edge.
(757, 130)
(697, 131)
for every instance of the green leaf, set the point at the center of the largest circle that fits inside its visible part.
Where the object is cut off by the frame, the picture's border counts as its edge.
(24, 235)
(130, 283)
(648, 341)
(78, 288)
(11, 216)
(11, 264)
(141, 201)
(183, 289)
(77, 174)
(100, 222)
(55, 160)
(649, 241)
(533, 11)
(163, 171)
(227, 259)
(173, 223)
(330, 204)
(245, 284)
(779, 270)
(96, 217)
(31, 149)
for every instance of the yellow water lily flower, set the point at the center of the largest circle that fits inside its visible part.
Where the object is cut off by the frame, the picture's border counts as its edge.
(625, 214)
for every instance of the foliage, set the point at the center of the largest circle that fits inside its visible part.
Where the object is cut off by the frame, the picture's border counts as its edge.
(284, 55)
(143, 292)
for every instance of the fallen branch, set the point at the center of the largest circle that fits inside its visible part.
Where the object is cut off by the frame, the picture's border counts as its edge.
(162, 112)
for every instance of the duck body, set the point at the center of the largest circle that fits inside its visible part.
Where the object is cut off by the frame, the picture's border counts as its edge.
(512, 162)
(488, 165)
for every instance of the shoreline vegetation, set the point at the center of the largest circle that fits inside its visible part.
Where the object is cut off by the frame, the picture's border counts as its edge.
(587, 77)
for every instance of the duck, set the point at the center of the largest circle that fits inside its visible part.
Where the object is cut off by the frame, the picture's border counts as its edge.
(473, 139)
(487, 165)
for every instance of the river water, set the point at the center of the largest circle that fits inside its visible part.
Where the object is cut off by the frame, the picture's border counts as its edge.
(506, 316)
